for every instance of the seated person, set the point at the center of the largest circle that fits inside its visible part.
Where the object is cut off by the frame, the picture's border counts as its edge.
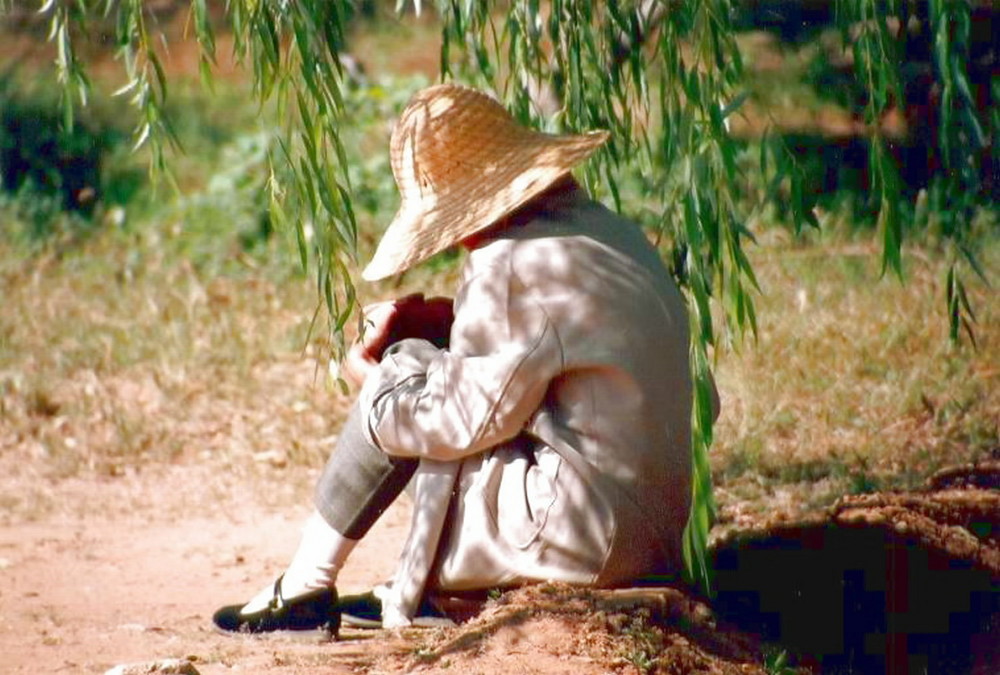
(544, 428)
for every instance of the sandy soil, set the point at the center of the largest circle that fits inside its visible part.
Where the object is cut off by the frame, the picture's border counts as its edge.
(86, 587)
(129, 569)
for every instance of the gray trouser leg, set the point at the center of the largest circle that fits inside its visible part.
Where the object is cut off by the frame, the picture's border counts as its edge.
(359, 481)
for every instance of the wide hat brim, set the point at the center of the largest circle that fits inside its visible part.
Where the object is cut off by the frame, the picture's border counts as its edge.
(461, 163)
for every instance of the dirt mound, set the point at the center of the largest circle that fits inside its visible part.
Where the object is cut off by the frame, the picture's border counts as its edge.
(553, 628)
(889, 582)
(982, 475)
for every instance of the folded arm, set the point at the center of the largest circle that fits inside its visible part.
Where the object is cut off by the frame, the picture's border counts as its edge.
(422, 401)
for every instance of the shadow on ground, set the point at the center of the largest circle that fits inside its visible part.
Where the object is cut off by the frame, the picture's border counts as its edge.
(891, 582)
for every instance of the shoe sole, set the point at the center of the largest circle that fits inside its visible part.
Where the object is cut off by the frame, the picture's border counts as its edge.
(349, 621)
(306, 635)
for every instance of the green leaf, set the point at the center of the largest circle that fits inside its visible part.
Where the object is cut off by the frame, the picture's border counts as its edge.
(203, 29)
(973, 261)
(735, 104)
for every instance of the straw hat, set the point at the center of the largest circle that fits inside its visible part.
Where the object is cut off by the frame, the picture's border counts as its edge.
(461, 163)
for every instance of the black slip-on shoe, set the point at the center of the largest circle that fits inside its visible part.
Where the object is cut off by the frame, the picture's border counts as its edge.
(365, 611)
(312, 611)
(361, 611)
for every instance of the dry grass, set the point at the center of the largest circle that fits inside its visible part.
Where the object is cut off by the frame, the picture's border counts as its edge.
(115, 357)
(121, 354)
(104, 370)
(853, 384)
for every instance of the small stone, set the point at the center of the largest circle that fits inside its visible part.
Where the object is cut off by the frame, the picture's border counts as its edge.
(276, 458)
(161, 667)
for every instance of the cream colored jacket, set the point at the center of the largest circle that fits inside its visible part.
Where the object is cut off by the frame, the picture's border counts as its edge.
(555, 428)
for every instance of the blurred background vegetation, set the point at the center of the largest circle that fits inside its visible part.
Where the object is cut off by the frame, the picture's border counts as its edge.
(149, 316)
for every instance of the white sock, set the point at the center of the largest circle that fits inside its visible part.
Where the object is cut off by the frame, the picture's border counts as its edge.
(322, 552)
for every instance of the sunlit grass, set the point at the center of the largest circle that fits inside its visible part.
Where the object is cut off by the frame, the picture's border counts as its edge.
(104, 366)
(122, 352)
(853, 384)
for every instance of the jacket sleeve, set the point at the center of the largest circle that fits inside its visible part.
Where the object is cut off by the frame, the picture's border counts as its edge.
(448, 404)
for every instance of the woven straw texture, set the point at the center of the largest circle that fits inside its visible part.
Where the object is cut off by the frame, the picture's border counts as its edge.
(461, 162)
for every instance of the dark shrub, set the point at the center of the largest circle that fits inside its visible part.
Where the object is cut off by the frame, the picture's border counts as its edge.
(36, 151)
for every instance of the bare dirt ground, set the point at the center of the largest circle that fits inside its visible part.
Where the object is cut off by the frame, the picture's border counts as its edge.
(129, 569)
